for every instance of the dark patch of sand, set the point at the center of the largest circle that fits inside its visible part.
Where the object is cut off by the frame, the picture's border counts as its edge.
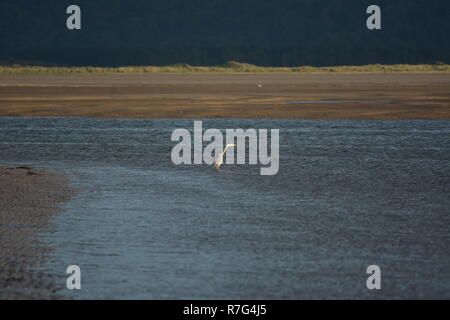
(407, 96)
(28, 200)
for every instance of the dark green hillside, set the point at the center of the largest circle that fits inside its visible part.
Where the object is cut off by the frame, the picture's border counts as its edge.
(211, 32)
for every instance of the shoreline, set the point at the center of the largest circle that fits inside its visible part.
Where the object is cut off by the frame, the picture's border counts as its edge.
(29, 199)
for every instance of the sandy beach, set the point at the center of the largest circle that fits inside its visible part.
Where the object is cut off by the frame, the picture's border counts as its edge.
(28, 200)
(361, 96)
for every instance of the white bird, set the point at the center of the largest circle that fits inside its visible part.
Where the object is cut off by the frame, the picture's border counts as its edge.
(219, 159)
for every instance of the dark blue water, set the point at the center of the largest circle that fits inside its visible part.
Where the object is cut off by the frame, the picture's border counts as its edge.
(348, 194)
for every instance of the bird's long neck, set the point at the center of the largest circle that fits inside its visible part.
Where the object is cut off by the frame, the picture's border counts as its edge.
(226, 148)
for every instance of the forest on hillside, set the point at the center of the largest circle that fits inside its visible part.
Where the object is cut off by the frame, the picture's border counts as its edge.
(211, 32)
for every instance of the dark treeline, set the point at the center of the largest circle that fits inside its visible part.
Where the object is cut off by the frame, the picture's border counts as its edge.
(211, 32)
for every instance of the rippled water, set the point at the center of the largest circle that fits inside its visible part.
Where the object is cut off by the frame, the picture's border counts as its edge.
(348, 194)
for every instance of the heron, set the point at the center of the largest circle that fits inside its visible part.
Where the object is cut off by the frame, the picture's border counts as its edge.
(219, 159)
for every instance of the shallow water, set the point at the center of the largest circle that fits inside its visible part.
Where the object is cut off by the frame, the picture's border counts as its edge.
(348, 194)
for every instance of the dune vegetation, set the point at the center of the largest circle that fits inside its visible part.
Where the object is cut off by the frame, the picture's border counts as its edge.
(229, 67)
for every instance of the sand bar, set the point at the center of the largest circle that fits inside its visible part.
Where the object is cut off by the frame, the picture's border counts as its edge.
(28, 200)
(364, 96)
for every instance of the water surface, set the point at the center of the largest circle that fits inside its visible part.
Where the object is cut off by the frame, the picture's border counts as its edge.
(348, 194)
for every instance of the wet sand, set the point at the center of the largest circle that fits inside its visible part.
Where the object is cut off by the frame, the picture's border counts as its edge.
(28, 200)
(388, 96)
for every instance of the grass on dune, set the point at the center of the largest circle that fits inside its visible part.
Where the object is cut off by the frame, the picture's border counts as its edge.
(229, 67)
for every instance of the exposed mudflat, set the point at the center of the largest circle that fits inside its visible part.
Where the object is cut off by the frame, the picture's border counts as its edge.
(384, 96)
(28, 200)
